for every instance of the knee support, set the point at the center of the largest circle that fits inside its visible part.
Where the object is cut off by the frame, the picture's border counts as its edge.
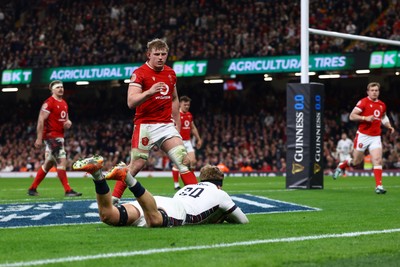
(136, 154)
(178, 155)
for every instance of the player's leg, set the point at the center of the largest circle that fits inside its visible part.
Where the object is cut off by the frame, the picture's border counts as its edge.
(138, 160)
(140, 147)
(360, 145)
(376, 156)
(175, 177)
(60, 156)
(192, 159)
(192, 163)
(62, 175)
(109, 214)
(122, 173)
(178, 155)
(41, 174)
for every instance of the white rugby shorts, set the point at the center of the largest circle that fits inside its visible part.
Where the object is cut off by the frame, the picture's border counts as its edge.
(172, 207)
(188, 145)
(145, 136)
(363, 141)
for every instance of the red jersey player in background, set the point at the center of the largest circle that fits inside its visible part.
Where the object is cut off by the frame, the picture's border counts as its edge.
(53, 120)
(152, 92)
(371, 113)
(187, 129)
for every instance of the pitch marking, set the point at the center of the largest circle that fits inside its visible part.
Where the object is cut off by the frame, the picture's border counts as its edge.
(168, 250)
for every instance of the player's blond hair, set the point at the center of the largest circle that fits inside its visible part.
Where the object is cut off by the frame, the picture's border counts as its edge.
(373, 84)
(157, 44)
(211, 172)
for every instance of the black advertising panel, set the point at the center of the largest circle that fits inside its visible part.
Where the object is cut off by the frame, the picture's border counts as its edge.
(305, 106)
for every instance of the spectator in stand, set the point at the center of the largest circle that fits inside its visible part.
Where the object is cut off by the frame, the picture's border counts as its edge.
(223, 33)
(246, 167)
(223, 167)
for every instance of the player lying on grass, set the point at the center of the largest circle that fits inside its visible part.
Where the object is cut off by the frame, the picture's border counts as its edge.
(200, 203)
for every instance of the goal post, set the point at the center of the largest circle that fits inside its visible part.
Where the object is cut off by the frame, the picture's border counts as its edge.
(305, 107)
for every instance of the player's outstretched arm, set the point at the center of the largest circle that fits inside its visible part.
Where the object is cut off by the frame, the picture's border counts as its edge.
(237, 216)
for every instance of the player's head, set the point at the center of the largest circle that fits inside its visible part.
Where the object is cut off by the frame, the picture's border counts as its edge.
(373, 90)
(184, 103)
(157, 53)
(157, 44)
(56, 88)
(212, 174)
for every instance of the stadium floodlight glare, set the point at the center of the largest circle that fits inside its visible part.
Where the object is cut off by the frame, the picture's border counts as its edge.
(397, 73)
(213, 81)
(9, 90)
(267, 79)
(127, 81)
(363, 71)
(82, 83)
(266, 75)
(329, 76)
(311, 73)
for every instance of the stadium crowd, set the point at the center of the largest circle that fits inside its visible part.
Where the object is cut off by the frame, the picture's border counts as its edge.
(51, 33)
(242, 141)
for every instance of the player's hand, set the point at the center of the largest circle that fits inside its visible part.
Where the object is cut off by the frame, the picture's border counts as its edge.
(369, 118)
(391, 129)
(67, 124)
(157, 88)
(38, 143)
(199, 143)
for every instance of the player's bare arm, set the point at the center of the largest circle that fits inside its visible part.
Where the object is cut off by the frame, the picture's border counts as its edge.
(237, 216)
(43, 115)
(136, 96)
(68, 123)
(355, 116)
(387, 124)
(175, 110)
(196, 134)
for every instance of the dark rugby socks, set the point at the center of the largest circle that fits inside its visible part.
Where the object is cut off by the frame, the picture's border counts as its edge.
(101, 187)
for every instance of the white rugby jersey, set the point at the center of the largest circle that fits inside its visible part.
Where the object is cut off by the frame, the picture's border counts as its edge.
(196, 204)
(205, 203)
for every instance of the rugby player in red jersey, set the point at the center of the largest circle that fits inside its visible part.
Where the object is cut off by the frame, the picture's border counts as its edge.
(152, 92)
(370, 112)
(187, 129)
(53, 120)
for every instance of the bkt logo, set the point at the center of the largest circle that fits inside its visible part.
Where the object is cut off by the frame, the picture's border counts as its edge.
(17, 76)
(190, 68)
(388, 59)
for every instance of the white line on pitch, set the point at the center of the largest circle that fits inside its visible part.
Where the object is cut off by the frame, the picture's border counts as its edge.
(168, 250)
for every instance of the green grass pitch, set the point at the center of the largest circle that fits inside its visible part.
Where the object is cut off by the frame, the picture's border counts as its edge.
(354, 227)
